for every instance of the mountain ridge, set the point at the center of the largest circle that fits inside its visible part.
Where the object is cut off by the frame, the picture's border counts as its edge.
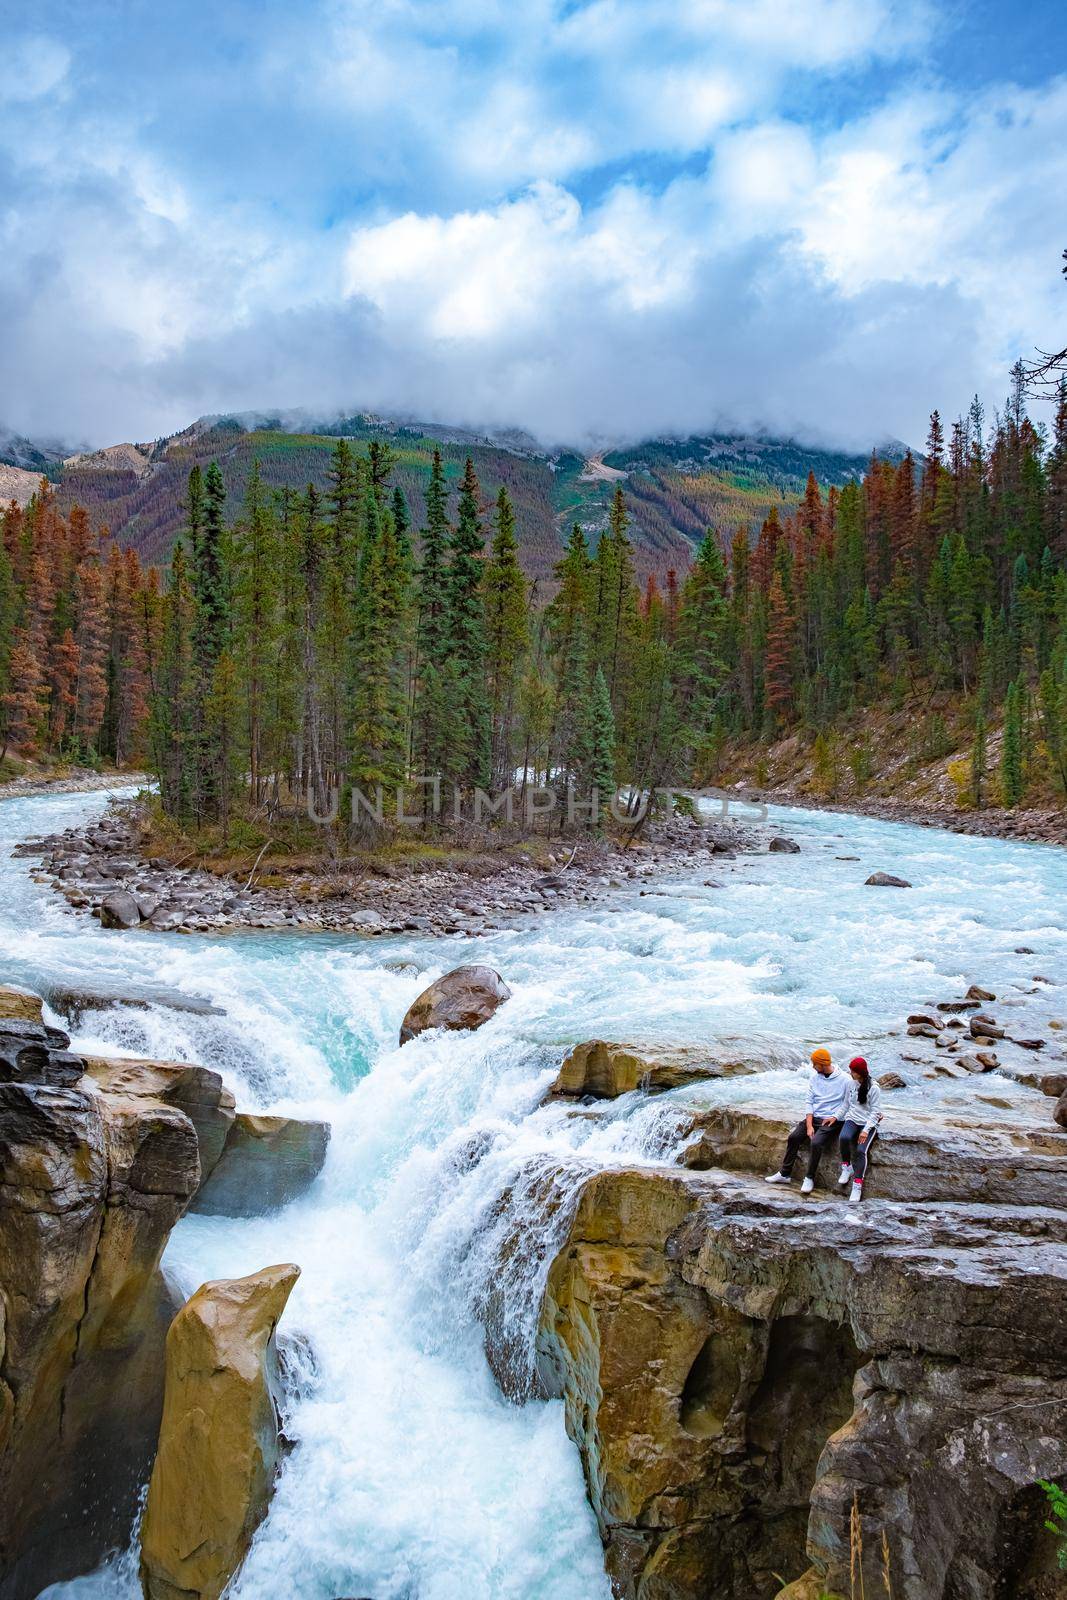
(676, 486)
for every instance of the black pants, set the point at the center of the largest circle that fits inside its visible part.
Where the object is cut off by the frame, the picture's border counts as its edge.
(819, 1140)
(853, 1153)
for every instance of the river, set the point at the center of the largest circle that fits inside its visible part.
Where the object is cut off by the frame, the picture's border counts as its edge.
(411, 1477)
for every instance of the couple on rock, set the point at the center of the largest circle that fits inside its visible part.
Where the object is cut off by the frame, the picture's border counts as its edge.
(841, 1105)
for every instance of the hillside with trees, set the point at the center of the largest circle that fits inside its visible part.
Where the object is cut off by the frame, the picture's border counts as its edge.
(320, 641)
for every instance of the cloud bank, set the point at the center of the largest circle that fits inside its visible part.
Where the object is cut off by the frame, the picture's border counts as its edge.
(596, 221)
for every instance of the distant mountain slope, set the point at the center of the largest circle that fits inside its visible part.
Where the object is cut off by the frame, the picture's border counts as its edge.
(17, 484)
(675, 488)
(30, 456)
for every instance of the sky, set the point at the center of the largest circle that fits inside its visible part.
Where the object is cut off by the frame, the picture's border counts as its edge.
(595, 220)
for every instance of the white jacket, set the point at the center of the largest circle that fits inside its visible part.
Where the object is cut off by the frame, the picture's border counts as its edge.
(869, 1115)
(828, 1093)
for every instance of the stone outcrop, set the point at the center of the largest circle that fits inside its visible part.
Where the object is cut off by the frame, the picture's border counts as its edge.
(92, 1179)
(738, 1365)
(464, 998)
(605, 1070)
(265, 1163)
(198, 1091)
(219, 1443)
(924, 1157)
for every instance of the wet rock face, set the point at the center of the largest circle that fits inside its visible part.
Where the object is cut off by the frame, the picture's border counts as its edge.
(464, 998)
(605, 1070)
(219, 1439)
(91, 1183)
(265, 1163)
(737, 1365)
(886, 880)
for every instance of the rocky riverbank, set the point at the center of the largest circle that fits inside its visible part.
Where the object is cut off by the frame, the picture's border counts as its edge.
(71, 780)
(1047, 825)
(100, 867)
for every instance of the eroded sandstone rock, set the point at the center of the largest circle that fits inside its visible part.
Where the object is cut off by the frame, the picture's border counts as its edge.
(198, 1091)
(91, 1183)
(219, 1438)
(738, 1365)
(607, 1070)
(466, 997)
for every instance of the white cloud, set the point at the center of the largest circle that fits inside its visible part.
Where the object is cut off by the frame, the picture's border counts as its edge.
(34, 66)
(467, 212)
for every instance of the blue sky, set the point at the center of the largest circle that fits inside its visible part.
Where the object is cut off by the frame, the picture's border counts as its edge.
(595, 219)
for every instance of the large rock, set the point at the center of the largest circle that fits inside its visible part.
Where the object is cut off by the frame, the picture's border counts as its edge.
(198, 1091)
(781, 846)
(886, 880)
(738, 1365)
(918, 1156)
(464, 998)
(606, 1070)
(91, 1183)
(266, 1162)
(119, 910)
(219, 1440)
(19, 1005)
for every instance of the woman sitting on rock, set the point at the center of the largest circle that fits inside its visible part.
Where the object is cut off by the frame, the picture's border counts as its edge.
(863, 1113)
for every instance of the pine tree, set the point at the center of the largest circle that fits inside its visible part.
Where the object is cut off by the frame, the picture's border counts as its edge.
(468, 761)
(172, 730)
(378, 687)
(505, 630)
(700, 667)
(979, 760)
(431, 720)
(779, 667)
(1011, 758)
(211, 616)
(600, 766)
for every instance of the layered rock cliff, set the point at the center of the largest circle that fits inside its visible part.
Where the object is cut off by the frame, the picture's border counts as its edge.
(98, 1160)
(741, 1366)
(93, 1177)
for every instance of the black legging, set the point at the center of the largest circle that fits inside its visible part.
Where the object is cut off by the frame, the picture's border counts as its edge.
(853, 1153)
(819, 1140)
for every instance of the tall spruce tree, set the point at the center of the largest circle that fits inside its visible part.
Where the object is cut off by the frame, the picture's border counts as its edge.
(505, 632)
(469, 756)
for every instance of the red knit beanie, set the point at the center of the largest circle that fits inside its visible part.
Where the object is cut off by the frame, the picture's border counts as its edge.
(859, 1064)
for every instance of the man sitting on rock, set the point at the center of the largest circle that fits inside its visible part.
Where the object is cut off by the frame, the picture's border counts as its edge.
(828, 1095)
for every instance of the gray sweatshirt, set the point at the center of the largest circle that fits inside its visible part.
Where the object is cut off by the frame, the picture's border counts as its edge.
(870, 1115)
(828, 1095)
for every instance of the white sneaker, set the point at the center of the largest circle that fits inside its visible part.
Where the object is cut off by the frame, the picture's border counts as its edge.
(846, 1176)
(857, 1194)
(776, 1177)
(807, 1186)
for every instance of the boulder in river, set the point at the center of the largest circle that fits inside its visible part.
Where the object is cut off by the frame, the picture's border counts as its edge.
(607, 1070)
(219, 1442)
(119, 910)
(892, 1080)
(781, 846)
(886, 880)
(265, 1163)
(466, 997)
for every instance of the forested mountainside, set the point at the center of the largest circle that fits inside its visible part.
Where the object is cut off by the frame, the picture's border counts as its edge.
(308, 641)
(675, 488)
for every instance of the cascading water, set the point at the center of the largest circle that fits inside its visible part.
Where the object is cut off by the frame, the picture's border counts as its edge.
(448, 1184)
